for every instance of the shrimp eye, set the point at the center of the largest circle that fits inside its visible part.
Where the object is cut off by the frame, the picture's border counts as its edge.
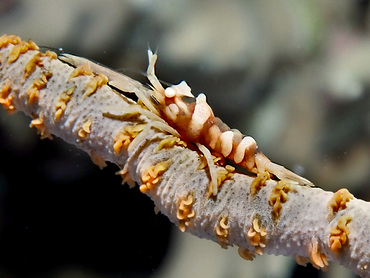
(188, 100)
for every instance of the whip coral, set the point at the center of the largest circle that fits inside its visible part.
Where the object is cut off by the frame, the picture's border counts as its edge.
(258, 213)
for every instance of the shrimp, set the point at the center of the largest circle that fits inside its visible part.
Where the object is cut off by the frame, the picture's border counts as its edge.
(194, 119)
(177, 111)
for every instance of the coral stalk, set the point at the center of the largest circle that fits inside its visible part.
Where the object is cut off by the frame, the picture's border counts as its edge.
(256, 213)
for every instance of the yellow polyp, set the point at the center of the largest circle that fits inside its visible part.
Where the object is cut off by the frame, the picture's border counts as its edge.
(14, 54)
(318, 259)
(18, 49)
(203, 164)
(278, 197)
(38, 84)
(246, 254)
(5, 40)
(257, 236)
(58, 114)
(31, 45)
(170, 142)
(85, 129)
(41, 128)
(51, 54)
(223, 174)
(87, 126)
(230, 168)
(339, 234)
(151, 176)
(6, 99)
(30, 66)
(81, 70)
(143, 188)
(135, 129)
(8, 104)
(62, 102)
(156, 210)
(218, 159)
(126, 178)
(259, 182)
(98, 160)
(5, 90)
(185, 211)
(33, 95)
(95, 83)
(123, 139)
(222, 231)
(339, 200)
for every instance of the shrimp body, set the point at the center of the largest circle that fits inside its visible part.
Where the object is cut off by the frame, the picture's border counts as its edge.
(177, 111)
(194, 119)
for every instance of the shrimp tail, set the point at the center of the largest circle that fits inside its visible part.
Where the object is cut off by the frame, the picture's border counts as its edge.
(266, 165)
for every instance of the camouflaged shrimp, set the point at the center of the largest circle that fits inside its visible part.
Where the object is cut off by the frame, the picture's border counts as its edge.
(177, 111)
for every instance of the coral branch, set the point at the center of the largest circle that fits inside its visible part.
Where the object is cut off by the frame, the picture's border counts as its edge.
(258, 214)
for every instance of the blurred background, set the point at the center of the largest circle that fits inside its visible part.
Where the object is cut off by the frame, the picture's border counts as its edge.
(293, 74)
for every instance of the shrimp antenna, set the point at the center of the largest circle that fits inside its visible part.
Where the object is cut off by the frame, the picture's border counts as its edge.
(44, 48)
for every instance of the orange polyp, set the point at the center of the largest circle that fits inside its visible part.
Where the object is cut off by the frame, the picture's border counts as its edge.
(170, 142)
(38, 84)
(97, 159)
(318, 259)
(5, 40)
(30, 66)
(33, 95)
(339, 200)
(222, 231)
(95, 83)
(41, 128)
(257, 236)
(18, 49)
(151, 176)
(339, 234)
(5, 97)
(224, 174)
(259, 182)
(85, 130)
(126, 177)
(81, 71)
(124, 139)
(62, 102)
(31, 45)
(51, 54)
(185, 211)
(278, 197)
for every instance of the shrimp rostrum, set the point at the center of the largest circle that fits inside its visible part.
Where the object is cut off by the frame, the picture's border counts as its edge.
(193, 119)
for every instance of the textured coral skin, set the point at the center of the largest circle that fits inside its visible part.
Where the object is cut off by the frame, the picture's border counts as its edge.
(295, 220)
